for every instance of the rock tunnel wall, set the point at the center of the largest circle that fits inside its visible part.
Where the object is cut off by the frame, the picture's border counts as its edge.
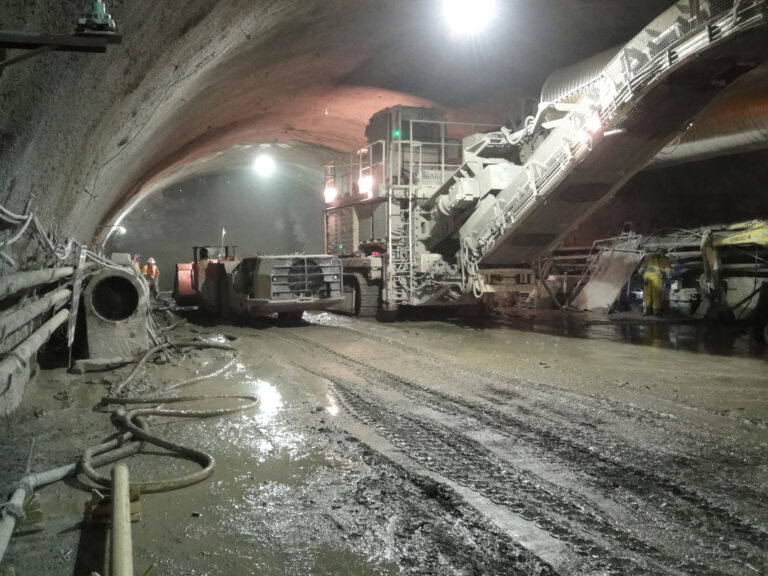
(83, 133)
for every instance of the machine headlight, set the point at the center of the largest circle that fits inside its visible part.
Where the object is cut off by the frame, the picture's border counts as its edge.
(365, 185)
(331, 193)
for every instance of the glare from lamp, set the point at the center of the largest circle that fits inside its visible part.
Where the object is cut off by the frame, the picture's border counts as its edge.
(594, 124)
(331, 193)
(264, 165)
(120, 230)
(365, 184)
(469, 17)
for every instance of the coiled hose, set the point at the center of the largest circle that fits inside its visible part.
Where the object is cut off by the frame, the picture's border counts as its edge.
(136, 433)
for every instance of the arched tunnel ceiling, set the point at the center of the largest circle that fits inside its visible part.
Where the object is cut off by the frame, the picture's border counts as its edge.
(86, 133)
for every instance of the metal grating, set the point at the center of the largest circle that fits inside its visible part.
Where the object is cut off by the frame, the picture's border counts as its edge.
(310, 277)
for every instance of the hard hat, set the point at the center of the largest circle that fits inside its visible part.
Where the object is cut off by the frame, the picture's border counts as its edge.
(151, 261)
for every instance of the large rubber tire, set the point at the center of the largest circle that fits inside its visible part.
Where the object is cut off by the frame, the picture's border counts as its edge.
(367, 296)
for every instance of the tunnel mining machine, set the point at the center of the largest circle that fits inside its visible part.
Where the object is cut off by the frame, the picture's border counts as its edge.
(439, 213)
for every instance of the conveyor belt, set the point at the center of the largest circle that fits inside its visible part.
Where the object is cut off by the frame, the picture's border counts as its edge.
(644, 99)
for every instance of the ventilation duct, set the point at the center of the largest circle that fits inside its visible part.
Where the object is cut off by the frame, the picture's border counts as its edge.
(117, 315)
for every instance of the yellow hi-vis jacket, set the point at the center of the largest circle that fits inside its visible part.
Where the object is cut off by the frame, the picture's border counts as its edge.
(655, 265)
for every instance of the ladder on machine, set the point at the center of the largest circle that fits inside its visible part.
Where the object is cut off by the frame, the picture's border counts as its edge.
(401, 249)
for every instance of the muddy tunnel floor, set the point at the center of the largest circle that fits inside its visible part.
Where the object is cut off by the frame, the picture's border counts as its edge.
(418, 448)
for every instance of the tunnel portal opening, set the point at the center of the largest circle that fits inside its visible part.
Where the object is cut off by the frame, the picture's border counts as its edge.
(115, 298)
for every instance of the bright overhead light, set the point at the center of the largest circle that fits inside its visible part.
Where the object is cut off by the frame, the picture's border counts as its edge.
(264, 165)
(469, 17)
(120, 230)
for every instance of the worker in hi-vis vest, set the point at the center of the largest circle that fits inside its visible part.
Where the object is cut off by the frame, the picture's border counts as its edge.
(654, 269)
(151, 274)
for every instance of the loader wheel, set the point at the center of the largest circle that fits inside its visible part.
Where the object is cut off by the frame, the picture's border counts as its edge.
(290, 318)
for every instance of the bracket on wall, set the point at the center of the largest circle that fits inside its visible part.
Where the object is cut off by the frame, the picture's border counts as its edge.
(38, 44)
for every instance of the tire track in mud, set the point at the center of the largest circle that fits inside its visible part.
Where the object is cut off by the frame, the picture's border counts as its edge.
(713, 471)
(421, 509)
(565, 516)
(606, 473)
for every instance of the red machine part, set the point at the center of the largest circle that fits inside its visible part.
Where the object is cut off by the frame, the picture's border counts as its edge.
(184, 288)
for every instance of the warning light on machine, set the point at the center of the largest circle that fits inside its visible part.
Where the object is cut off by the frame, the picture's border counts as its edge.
(395, 134)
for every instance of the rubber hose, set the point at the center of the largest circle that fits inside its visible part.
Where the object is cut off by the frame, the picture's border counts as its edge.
(182, 345)
(131, 422)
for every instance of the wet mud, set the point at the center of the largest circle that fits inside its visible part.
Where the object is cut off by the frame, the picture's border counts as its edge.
(421, 448)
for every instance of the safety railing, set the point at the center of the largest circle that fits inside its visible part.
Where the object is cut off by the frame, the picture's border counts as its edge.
(424, 153)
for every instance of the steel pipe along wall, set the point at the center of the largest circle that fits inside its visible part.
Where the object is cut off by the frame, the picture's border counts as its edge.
(18, 281)
(14, 319)
(15, 369)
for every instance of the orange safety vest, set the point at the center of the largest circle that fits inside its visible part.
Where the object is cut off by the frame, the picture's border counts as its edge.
(151, 272)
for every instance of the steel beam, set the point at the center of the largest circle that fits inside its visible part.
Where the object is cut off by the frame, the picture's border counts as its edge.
(59, 42)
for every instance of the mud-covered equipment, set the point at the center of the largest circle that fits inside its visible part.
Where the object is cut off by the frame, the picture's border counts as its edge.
(220, 282)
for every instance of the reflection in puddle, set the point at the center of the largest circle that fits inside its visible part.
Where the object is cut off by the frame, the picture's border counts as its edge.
(332, 408)
(270, 399)
(691, 336)
(215, 338)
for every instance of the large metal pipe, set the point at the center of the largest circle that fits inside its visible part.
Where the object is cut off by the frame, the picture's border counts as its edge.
(17, 281)
(12, 321)
(14, 509)
(122, 544)
(18, 360)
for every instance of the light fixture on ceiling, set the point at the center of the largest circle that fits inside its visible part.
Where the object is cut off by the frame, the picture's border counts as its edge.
(469, 17)
(264, 165)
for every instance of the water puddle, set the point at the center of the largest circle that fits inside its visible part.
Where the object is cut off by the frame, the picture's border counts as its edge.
(691, 336)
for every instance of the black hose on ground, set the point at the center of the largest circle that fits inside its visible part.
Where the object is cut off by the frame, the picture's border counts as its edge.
(161, 347)
(136, 433)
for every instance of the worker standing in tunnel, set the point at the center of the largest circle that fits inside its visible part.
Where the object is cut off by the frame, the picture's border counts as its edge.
(151, 274)
(654, 269)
